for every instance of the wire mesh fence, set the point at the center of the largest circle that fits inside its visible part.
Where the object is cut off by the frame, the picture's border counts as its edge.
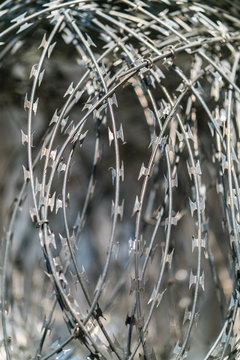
(122, 238)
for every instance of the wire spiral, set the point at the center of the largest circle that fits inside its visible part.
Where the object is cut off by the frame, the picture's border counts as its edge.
(131, 178)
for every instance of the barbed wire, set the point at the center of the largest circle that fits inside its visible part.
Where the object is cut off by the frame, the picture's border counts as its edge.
(161, 78)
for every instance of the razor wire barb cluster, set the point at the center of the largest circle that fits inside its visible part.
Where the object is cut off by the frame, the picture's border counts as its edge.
(138, 155)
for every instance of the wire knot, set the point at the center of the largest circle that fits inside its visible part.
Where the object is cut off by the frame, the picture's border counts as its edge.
(149, 62)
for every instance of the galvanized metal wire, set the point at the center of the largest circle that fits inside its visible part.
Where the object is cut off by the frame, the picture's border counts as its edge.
(137, 158)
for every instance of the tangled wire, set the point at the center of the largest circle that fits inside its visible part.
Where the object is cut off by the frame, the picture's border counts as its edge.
(130, 152)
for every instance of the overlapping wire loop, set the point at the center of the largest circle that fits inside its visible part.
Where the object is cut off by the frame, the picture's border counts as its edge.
(161, 79)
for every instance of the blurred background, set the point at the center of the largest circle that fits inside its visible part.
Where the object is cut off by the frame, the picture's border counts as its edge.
(90, 184)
